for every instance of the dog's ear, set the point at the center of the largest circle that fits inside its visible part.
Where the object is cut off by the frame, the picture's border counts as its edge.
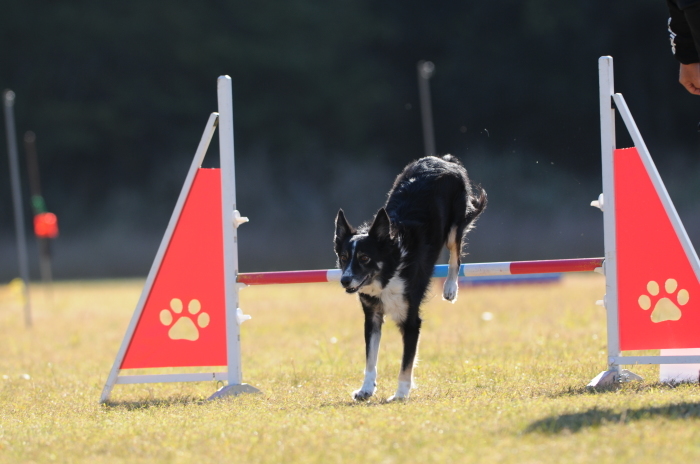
(342, 228)
(381, 226)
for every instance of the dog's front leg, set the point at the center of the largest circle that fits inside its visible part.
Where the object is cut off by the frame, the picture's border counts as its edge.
(373, 334)
(410, 329)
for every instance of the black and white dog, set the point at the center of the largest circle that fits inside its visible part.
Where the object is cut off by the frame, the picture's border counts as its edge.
(390, 262)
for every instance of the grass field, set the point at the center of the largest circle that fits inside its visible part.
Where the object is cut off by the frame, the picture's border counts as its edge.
(501, 379)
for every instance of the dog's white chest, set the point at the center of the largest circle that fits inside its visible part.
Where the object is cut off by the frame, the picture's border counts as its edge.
(391, 296)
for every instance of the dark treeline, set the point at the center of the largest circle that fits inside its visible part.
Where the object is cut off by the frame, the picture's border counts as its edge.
(118, 92)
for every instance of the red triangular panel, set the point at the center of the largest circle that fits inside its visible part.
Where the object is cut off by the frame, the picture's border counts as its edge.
(183, 320)
(658, 291)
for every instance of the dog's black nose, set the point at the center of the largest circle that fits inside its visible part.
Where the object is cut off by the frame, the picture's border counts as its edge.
(345, 281)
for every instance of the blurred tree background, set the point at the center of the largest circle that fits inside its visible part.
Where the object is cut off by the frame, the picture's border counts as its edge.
(326, 113)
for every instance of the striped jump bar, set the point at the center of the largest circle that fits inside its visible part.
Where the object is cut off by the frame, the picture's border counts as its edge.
(472, 269)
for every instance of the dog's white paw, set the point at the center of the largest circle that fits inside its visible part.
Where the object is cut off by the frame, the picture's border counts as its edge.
(395, 397)
(449, 291)
(369, 386)
(401, 392)
(362, 394)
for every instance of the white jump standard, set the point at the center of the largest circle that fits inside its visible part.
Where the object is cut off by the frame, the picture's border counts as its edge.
(197, 266)
(638, 258)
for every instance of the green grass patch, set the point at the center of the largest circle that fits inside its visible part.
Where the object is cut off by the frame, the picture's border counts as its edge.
(509, 388)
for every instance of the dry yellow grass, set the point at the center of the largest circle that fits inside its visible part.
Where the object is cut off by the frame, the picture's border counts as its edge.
(509, 390)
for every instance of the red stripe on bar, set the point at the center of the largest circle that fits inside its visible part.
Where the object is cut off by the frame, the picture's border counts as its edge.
(555, 265)
(283, 277)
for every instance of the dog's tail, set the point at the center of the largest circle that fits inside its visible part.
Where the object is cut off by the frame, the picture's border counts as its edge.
(452, 159)
(477, 205)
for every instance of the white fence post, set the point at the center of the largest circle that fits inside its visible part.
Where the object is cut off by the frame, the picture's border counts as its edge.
(230, 225)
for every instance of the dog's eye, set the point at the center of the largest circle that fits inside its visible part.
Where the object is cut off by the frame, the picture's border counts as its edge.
(343, 256)
(364, 259)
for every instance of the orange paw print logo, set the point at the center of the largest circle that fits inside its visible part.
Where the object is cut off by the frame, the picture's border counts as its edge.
(186, 326)
(666, 308)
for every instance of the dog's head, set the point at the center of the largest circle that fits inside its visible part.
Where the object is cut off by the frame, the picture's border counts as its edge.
(361, 253)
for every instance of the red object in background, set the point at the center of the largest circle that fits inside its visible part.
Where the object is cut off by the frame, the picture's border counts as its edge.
(654, 272)
(46, 225)
(183, 322)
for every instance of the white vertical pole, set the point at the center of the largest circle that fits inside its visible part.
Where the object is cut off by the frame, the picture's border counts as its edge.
(9, 102)
(607, 140)
(228, 204)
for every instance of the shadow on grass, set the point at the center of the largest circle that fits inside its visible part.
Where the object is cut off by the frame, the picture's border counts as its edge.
(583, 390)
(630, 387)
(154, 403)
(350, 403)
(596, 417)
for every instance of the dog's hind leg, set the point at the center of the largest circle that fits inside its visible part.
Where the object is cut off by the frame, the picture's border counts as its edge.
(454, 245)
(373, 333)
(410, 329)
